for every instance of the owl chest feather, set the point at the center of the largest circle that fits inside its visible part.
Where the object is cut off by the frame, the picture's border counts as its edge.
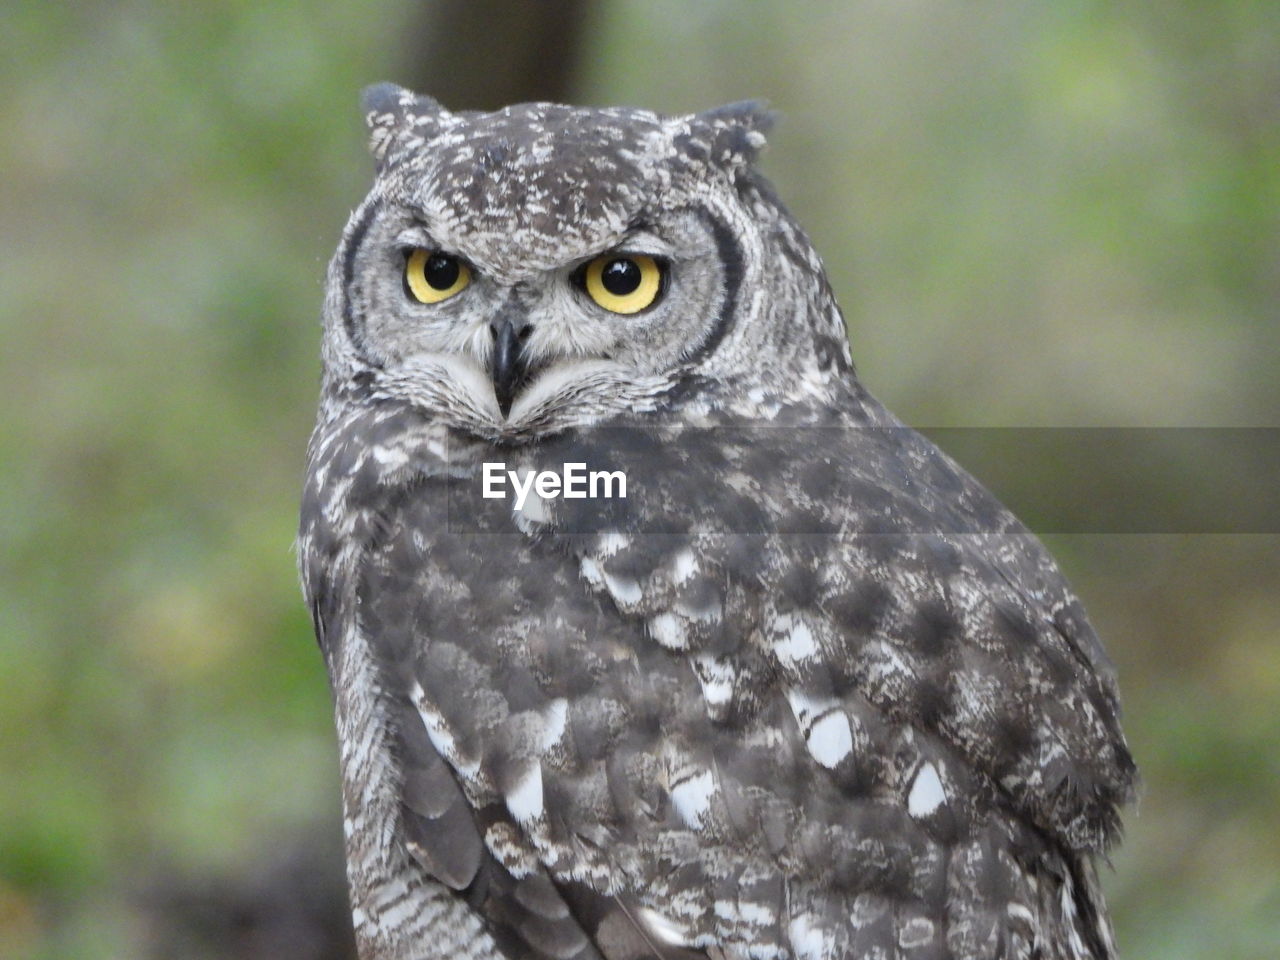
(702, 690)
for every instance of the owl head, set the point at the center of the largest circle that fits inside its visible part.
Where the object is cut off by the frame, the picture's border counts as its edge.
(517, 271)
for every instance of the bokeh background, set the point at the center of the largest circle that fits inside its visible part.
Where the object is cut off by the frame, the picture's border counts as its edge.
(1036, 214)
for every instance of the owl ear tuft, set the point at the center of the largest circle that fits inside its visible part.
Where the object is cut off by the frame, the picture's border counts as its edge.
(396, 116)
(733, 134)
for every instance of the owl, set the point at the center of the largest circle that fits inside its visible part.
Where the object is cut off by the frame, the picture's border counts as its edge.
(651, 633)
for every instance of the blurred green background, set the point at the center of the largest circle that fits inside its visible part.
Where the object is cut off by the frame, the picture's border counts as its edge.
(1034, 213)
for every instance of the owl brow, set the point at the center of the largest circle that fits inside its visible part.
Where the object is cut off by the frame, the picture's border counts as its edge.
(418, 234)
(642, 239)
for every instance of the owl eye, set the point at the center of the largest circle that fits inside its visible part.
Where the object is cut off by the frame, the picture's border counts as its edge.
(623, 284)
(431, 276)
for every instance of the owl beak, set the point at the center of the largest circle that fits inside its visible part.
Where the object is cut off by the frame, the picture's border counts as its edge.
(509, 367)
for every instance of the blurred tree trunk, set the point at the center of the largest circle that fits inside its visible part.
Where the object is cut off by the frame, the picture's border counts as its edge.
(484, 54)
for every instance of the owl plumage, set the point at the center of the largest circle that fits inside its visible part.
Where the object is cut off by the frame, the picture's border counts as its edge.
(807, 691)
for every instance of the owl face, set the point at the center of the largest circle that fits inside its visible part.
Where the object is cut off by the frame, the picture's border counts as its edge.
(634, 301)
(546, 264)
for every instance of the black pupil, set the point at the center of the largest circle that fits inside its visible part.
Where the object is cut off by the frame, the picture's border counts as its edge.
(441, 271)
(620, 277)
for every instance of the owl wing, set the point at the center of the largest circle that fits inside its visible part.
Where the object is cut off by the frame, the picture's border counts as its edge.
(853, 556)
(810, 694)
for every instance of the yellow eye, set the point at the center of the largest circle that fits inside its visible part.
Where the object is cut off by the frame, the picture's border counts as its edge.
(431, 276)
(624, 283)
